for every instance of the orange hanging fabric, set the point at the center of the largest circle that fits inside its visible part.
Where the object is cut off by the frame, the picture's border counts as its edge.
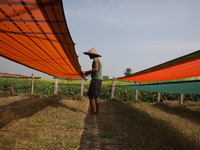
(184, 67)
(34, 33)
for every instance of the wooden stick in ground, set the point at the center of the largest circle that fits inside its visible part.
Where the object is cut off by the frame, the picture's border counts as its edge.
(32, 86)
(136, 92)
(56, 86)
(113, 88)
(82, 87)
(158, 95)
(181, 99)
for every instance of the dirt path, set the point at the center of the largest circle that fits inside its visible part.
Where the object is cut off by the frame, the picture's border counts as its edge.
(93, 136)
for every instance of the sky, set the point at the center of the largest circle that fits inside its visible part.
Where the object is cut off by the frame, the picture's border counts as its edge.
(136, 34)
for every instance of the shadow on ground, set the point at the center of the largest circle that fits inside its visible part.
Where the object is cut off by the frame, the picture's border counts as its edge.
(123, 127)
(28, 107)
(181, 111)
(5, 94)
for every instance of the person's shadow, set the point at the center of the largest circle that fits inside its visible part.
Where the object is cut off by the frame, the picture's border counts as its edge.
(121, 126)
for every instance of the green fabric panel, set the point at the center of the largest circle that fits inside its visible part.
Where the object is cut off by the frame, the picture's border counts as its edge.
(173, 88)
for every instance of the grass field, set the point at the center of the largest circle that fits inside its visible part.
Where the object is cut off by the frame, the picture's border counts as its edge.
(39, 122)
(46, 86)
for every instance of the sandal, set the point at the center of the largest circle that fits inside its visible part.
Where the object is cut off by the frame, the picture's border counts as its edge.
(90, 113)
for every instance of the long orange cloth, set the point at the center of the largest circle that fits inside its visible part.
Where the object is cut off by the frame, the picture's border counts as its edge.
(34, 33)
(184, 67)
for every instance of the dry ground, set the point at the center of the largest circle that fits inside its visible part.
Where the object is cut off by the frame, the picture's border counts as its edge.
(38, 122)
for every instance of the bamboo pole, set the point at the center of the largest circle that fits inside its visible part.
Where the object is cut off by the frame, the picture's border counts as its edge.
(32, 86)
(82, 87)
(56, 86)
(113, 88)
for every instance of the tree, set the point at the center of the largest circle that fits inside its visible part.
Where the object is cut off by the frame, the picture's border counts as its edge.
(128, 71)
(105, 78)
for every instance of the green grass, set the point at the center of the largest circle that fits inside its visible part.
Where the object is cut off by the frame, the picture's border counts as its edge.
(46, 86)
(60, 123)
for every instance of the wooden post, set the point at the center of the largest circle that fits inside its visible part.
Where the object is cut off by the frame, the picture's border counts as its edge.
(32, 86)
(136, 92)
(56, 86)
(82, 87)
(113, 88)
(181, 99)
(158, 95)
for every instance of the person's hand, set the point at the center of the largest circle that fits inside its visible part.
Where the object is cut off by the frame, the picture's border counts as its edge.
(85, 73)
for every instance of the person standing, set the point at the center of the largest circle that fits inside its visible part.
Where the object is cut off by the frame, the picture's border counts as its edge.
(96, 80)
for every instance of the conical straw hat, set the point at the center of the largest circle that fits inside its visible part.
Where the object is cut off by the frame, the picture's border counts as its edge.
(92, 51)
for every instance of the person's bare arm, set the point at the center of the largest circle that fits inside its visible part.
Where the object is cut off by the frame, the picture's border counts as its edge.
(95, 69)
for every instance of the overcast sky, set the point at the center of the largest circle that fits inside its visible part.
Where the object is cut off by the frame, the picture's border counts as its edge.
(136, 34)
